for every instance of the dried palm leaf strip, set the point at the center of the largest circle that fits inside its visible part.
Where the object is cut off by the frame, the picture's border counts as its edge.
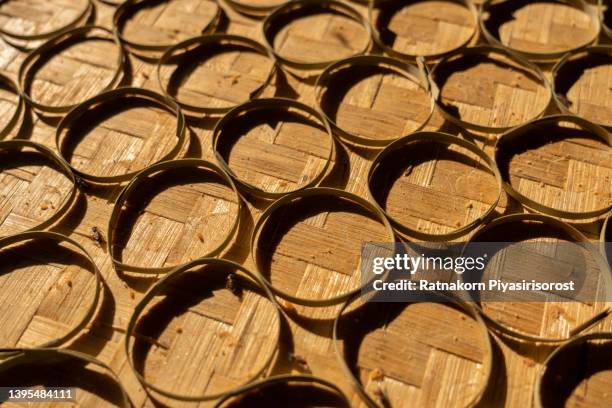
(14, 118)
(253, 9)
(92, 303)
(25, 75)
(388, 48)
(293, 9)
(244, 277)
(115, 96)
(286, 380)
(150, 50)
(443, 139)
(132, 187)
(267, 104)
(321, 192)
(604, 12)
(579, 239)
(487, 364)
(64, 168)
(220, 40)
(539, 56)
(560, 354)
(583, 55)
(484, 50)
(43, 355)
(606, 239)
(536, 126)
(413, 73)
(80, 18)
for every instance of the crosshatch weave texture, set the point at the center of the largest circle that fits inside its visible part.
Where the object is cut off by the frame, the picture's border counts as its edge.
(427, 355)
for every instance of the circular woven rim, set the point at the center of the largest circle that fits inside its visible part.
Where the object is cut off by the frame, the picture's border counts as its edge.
(372, 4)
(607, 30)
(288, 199)
(80, 18)
(113, 3)
(290, 7)
(64, 168)
(137, 180)
(580, 239)
(12, 122)
(267, 104)
(253, 10)
(285, 379)
(573, 56)
(466, 307)
(111, 97)
(444, 139)
(27, 356)
(540, 56)
(24, 75)
(99, 284)
(484, 50)
(156, 288)
(410, 72)
(532, 126)
(145, 50)
(537, 391)
(218, 39)
(603, 238)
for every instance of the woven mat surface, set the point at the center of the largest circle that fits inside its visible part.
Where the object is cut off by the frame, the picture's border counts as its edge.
(429, 355)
